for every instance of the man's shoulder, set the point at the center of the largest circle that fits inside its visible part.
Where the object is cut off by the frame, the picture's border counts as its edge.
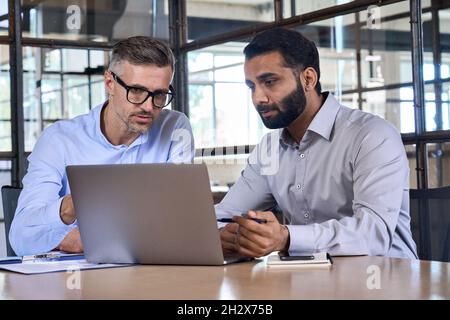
(362, 123)
(67, 127)
(168, 114)
(173, 119)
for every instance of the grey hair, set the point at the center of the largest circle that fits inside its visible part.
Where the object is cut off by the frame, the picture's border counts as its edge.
(141, 50)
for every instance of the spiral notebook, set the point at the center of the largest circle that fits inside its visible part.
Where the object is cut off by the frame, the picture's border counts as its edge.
(321, 260)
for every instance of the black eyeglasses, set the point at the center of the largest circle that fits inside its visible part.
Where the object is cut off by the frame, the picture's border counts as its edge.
(137, 95)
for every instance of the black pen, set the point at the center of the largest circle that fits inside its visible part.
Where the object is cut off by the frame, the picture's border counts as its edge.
(231, 220)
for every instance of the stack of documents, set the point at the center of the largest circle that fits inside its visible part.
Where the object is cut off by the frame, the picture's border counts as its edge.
(320, 260)
(51, 262)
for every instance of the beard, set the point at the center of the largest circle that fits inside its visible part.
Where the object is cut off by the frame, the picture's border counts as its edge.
(135, 127)
(288, 109)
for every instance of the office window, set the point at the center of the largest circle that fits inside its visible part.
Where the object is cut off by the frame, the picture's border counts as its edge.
(438, 164)
(98, 92)
(5, 101)
(74, 60)
(437, 89)
(349, 100)
(335, 43)
(5, 178)
(59, 84)
(437, 115)
(220, 106)
(52, 104)
(295, 7)
(365, 61)
(100, 20)
(31, 110)
(76, 92)
(412, 162)
(4, 23)
(209, 18)
(386, 47)
(395, 106)
(444, 26)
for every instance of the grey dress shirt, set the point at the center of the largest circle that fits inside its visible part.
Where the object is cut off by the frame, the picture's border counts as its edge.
(344, 189)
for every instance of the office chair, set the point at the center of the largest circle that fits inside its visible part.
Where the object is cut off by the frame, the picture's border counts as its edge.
(10, 195)
(430, 222)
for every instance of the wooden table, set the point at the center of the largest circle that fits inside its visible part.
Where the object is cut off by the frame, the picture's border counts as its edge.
(347, 279)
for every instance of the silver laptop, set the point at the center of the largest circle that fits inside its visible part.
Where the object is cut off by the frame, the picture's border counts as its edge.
(147, 214)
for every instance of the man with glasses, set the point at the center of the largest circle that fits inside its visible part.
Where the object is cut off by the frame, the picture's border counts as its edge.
(341, 176)
(132, 126)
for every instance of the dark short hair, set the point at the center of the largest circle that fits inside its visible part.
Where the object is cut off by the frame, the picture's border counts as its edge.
(296, 50)
(142, 50)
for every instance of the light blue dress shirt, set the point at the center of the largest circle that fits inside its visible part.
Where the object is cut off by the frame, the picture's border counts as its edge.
(37, 226)
(344, 188)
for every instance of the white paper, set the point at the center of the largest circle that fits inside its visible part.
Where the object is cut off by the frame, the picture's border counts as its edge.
(33, 267)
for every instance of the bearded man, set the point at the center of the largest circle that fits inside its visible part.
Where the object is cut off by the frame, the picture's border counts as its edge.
(341, 178)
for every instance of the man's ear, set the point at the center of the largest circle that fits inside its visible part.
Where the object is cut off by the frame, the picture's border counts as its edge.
(109, 82)
(310, 78)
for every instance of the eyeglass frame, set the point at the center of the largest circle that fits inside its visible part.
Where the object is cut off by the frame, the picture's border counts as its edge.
(152, 94)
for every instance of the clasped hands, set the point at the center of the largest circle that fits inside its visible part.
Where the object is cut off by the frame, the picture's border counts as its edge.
(252, 239)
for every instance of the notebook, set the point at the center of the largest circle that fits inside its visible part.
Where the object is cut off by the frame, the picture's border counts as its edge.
(54, 261)
(321, 260)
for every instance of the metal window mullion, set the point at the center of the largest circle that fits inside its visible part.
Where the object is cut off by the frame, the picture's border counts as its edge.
(177, 38)
(437, 86)
(16, 91)
(61, 79)
(278, 10)
(358, 60)
(420, 125)
(293, 8)
(419, 90)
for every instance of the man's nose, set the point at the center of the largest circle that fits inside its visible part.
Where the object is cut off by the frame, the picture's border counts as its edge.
(259, 96)
(148, 106)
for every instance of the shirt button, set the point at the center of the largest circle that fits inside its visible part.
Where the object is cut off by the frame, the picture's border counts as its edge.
(302, 155)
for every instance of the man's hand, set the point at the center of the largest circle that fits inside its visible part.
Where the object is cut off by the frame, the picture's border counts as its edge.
(72, 242)
(67, 210)
(229, 237)
(259, 239)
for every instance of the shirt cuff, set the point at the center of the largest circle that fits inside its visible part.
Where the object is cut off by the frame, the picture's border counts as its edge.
(301, 238)
(221, 225)
(59, 228)
(52, 217)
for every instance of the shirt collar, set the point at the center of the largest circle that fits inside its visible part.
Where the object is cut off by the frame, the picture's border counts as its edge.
(322, 123)
(143, 138)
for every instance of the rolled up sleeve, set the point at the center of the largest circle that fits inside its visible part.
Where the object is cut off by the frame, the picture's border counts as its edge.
(37, 226)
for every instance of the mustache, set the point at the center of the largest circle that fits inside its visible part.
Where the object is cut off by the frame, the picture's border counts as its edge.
(265, 108)
(142, 114)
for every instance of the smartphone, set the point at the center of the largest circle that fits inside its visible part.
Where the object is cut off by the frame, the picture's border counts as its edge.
(285, 256)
